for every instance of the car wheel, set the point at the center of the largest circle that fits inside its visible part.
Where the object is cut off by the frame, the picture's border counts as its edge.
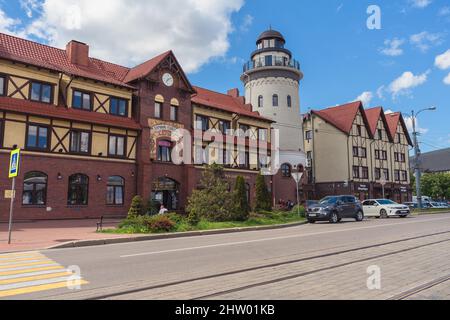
(311, 221)
(334, 218)
(359, 216)
(383, 214)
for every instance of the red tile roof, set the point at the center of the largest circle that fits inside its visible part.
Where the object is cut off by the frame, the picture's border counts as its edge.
(224, 102)
(393, 119)
(343, 116)
(39, 55)
(51, 111)
(373, 115)
(145, 68)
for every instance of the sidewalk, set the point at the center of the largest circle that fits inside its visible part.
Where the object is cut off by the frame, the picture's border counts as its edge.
(39, 235)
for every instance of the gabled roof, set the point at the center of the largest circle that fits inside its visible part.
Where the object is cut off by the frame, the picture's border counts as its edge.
(54, 59)
(343, 116)
(435, 161)
(145, 68)
(373, 115)
(224, 102)
(393, 120)
(52, 111)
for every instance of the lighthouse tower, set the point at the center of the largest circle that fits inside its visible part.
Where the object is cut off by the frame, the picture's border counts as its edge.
(272, 80)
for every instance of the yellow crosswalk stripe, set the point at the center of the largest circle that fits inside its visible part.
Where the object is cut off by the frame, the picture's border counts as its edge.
(29, 264)
(32, 289)
(34, 278)
(19, 255)
(23, 259)
(8, 273)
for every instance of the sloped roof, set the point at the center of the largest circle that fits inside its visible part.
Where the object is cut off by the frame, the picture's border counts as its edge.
(52, 111)
(145, 68)
(393, 120)
(373, 115)
(435, 161)
(343, 116)
(224, 102)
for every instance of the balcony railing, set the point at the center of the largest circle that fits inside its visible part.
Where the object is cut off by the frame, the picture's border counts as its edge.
(272, 61)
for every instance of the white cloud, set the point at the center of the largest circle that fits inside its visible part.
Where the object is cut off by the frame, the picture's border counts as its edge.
(409, 125)
(392, 47)
(365, 97)
(30, 6)
(425, 40)
(444, 11)
(380, 92)
(447, 79)
(196, 30)
(403, 84)
(420, 3)
(389, 111)
(442, 61)
(7, 25)
(246, 24)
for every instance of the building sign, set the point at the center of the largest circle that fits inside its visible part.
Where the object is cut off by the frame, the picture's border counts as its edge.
(160, 130)
(403, 190)
(14, 163)
(363, 188)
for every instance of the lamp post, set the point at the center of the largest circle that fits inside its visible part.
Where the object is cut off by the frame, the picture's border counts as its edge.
(418, 174)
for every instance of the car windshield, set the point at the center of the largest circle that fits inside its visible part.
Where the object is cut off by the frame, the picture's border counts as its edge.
(328, 200)
(385, 202)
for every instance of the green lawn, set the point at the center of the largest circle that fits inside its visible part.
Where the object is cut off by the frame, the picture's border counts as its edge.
(267, 219)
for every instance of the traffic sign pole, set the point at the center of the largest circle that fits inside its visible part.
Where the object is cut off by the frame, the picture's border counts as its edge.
(11, 209)
(14, 162)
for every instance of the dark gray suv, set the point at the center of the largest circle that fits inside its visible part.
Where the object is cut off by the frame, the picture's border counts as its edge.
(335, 208)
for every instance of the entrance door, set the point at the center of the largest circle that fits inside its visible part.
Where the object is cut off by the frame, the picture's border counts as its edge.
(165, 192)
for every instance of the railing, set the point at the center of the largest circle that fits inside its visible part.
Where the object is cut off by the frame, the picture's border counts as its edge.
(272, 61)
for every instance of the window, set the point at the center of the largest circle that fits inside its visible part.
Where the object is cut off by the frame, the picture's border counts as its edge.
(268, 60)
(399, 137)
(359, 130)
(286, 170)
(173, 113)
(309, 155)
(377, 173)
(386, 174)
(82, 100)
(80, 142)
(380, 134)
(275, 100)
(404, 175)
(377, 154)
(383, 155)
(397, 175)
(116, 146)
(118, 107)
(355, 172)
(244, 160)
(355, 152)
(309, 135)
(78, 190)
(224, 126)
(402, 157)
(365, 172)
(363, 153)
(2, 86)
(396, 156)
(158, 110)
(37, 137)
(289, 101)
(244, 130)
(164, 151)
(226, 158)
(262, 134)
(115, 191)
(41, 92)
(260, 102)
(34, 189)
(201, 123)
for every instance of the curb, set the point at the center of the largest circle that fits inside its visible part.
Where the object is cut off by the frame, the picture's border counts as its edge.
(98, 242)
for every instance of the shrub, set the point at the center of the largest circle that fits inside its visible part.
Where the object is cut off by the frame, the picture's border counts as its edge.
(263, 198)
(161, 223)
(193, 218)
(136, 224)
(213, 201)
(137, 207)
(242, 208)
(302, 210)
(175, 217)
(152, 207)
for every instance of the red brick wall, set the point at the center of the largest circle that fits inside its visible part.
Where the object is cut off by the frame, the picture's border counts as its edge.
(57, 190)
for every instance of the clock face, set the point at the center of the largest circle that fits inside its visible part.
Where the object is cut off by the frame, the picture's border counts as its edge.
(167, 79)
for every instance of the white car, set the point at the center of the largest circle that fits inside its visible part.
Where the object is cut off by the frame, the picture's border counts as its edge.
(384, 208)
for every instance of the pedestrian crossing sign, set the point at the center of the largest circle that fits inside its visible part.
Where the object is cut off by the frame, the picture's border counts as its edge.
(14, 163)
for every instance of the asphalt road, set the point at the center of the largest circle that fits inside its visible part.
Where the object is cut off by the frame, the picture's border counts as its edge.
(320, 261)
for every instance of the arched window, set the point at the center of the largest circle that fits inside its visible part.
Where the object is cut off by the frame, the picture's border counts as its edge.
(286, 170)
(260, 102)
(164, 151)
(289, 101)
(275, 100)
(115, 191)
(34, 189)
(78, 190)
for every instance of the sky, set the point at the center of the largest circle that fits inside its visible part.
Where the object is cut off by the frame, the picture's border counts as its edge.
(403, 64)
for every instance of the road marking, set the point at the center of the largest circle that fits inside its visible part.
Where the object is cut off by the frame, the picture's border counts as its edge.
(31, 272)
(275, 238)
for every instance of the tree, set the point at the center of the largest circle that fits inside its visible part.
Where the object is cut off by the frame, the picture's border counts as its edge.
(242, 207)
(263, 198)
(436, 185)
(137, 207)
(214, 201)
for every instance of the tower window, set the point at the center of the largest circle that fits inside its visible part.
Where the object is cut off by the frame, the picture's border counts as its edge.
(289, 101)
(275, 100)
(260, 102)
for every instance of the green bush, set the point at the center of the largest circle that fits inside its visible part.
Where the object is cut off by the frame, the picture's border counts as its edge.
(193, 218)
(242, 207)
(137, 207)
(175, 217)
(302, 210)
(161, 223)
(263, 200)
(136, 224)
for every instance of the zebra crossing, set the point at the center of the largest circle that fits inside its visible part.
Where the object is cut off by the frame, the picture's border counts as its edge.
(30, 272)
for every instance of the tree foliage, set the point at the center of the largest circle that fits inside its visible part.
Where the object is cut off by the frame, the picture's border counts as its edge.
(263, 198)
(242, 207)
(137, 207)
(436, 185)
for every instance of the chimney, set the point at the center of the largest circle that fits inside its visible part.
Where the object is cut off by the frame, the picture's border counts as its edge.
(78, 53)
(233, 93)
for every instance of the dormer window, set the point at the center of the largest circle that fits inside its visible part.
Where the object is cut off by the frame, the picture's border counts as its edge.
(41, 92)
(82, 100)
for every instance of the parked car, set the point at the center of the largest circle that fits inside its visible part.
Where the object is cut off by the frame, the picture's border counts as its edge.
(437, 205)
(384, 208)
(334, 209)
(310, 203)
(411, 205)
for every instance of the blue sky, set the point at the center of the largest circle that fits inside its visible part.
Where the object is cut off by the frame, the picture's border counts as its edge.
(340, 57)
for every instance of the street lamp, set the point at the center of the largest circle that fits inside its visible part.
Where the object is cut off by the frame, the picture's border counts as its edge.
(418, 174)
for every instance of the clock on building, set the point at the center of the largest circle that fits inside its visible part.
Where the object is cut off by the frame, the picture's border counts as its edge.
(167, 79)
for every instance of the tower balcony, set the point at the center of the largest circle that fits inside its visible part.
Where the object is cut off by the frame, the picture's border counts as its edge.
(272, 61)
